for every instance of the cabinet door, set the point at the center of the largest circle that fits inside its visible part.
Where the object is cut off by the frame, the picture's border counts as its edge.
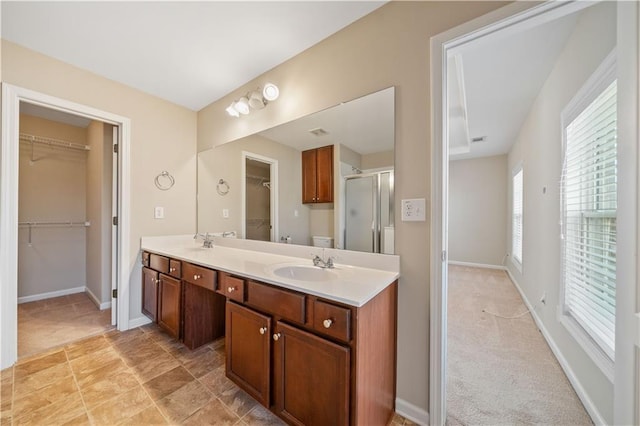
(311, 377)
(203, 315)
(248, 347)
(150, 293)
(309, 176)
(324, 174)
(169, 305)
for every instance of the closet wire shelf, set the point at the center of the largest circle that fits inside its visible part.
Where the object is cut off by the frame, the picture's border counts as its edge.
(68, 224)
(58, 143)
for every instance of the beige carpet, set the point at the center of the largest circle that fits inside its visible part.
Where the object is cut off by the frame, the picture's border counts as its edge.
(501, 371)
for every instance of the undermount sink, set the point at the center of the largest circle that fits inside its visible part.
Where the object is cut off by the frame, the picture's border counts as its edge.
(305, 273)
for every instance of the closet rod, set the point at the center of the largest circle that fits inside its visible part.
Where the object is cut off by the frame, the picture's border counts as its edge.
(25, 137)
(70, 223)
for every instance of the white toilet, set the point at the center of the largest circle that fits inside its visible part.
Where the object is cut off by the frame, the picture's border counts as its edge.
(326, 242)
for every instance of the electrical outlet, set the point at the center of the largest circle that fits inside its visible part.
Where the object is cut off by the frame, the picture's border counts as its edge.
(225, 213)
(158, 213)
(414, 210)
(543, 298)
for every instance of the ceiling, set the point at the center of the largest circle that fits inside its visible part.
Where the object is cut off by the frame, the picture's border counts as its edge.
(189, 53)
(495, 82)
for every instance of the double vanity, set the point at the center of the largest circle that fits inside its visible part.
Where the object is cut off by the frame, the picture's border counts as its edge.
(315, 345)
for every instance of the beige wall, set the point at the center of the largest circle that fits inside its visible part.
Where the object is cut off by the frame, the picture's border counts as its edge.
(377, 160)
(389, 47)
(99, 179)
(478, 219)
(224, 162)
(51, 188)
(163, 137)
(538, 147)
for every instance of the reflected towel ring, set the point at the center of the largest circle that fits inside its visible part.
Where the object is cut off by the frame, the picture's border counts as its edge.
(222, 187)
(169, 181)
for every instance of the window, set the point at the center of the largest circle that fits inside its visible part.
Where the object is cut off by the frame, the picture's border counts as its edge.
(589, 204)
(516, 217)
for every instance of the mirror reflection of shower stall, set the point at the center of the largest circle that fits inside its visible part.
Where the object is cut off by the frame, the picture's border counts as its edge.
(369, 214)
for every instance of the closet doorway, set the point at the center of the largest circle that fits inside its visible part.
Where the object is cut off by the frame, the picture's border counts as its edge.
(65, 208)
(259, 195)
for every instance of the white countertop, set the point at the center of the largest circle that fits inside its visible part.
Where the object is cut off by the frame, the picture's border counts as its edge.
(353, 285)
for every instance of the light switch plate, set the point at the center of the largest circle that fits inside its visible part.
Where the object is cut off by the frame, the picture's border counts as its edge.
(158, 213)
(225, 213)
(414, 210)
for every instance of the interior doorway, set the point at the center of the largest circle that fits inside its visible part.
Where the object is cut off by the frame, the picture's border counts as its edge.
(118, 235)
(259, 197)
(65, 251)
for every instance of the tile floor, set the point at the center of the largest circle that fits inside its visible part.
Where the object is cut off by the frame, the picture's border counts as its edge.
(50, 323)
(138, 377)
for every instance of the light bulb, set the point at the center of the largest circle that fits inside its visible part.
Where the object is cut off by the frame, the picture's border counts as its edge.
(242, 105)
(270, 92)
(255, 100)
(232, 111)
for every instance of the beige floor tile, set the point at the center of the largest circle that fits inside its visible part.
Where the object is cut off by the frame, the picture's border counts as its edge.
(108, 369)
(213, 413)
(59, 412)
(6, 374)
(217, 382)
(207, 361)
(149, 416)
(33, 365)
(86, 346)
(238, 401)
(115, 336)
(47, 395)
(32, 382)
(144, 350)
(155, 366)
(260, 416)
(185, 401)
(86, 364)
(110, 387)
(81, 420)
(167, 383)
(121, 407)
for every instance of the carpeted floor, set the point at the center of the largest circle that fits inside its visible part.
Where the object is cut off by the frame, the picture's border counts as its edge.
(501, 371)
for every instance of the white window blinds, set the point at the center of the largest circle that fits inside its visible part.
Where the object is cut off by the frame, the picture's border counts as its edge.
(589, 193)
(516, 216)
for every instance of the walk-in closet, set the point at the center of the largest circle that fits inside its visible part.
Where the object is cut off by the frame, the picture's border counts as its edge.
(258, 200)
(64, 230)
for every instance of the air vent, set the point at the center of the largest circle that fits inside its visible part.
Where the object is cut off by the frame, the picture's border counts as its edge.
(479, 139)
(319, 131)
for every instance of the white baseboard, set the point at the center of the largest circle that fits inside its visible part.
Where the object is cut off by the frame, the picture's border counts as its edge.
(96, 301)
(577, 386)
(412, 412)
(138, 322)
(51, 294)
(476, 265)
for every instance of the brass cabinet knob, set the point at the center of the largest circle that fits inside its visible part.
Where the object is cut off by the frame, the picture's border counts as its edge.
(172, 269)
(263, 330)
(327, 323)
(196, 277)
(231, 289)
(276, 336)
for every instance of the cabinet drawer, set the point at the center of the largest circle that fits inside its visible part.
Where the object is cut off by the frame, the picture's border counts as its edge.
(232, 287)
(159, 263)
(199, 276)
(175, 268)
(145, 258)
(332, 320)
(283, 303)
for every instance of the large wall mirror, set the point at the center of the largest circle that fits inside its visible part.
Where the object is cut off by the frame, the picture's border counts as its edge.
(253, 186)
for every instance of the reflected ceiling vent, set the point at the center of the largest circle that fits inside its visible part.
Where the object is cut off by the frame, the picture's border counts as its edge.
(479, 139)
(319, 131)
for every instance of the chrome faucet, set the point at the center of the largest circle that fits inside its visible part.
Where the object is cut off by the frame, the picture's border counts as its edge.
(319, 262)
(207, 239)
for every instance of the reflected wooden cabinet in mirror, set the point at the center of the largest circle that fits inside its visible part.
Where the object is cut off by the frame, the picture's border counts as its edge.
(317, 175)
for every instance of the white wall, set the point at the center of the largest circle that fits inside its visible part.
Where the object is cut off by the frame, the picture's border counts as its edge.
(538, 147)
(52, 188)
(478, 218)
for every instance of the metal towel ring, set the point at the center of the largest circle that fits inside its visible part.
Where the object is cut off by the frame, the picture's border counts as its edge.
(169, 181)
(222, 187)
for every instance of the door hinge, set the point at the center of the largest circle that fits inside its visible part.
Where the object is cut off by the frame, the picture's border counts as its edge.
(115, 148)
(443, 256)
(114, 293)
(115, 221)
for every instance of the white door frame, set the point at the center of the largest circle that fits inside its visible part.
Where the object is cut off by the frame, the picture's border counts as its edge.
(517, 16)
(9, 156)
(273, 193)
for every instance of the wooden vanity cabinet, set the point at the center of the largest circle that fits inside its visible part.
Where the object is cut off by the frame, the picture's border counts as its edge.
(169, 305)
(317, 175)
(150, 280)
(322, 362)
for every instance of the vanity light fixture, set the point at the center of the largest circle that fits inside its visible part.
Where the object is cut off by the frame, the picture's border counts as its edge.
(256, 99)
